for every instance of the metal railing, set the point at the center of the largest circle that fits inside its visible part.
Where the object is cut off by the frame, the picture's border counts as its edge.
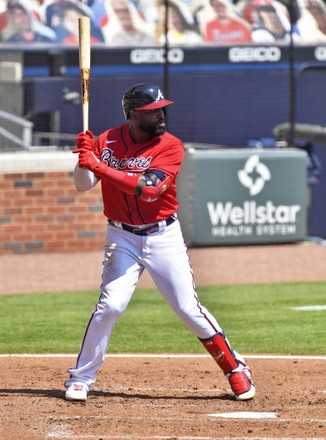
(15, 132)
(54, 140)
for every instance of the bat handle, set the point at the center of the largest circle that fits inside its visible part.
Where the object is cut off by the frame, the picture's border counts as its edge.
(84, 63)
(85, 75)
(85, 116)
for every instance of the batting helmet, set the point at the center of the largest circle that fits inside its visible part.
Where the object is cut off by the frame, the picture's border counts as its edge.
(143, 97)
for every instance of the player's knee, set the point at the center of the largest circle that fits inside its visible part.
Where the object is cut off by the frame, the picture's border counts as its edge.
(185, 311)
(109, 309)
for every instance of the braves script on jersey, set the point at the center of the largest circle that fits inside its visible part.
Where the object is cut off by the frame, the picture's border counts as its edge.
(162, 153)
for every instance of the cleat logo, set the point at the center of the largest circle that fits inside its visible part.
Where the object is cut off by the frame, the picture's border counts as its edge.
(254, 175)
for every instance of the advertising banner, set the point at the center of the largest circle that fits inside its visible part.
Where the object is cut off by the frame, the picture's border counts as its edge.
(242, 196)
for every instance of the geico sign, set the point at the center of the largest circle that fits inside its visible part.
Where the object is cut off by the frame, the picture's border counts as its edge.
(254, 54)
(320, 53)
(139, 56)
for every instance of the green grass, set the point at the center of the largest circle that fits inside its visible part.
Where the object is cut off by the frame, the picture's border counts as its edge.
(255, 318)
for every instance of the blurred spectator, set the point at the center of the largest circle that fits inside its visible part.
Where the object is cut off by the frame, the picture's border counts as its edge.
(5, 29)
(34, 6)
(95, 9)
(196, 7)
(52, 10)
(24, 27)
(63, 15)
(148, 10)
(98, 9)
(307, 25)
(125, 26)
(269, 20)
(317, 9)
(226, 27)
(293, 9)
(181, 26)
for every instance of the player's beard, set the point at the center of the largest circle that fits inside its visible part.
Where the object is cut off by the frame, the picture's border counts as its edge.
(152, 128)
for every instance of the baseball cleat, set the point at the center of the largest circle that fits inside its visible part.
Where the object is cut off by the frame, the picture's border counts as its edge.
(77, 391)
(242, 386)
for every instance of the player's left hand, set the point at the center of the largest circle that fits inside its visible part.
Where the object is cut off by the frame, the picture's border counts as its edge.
(86, 140)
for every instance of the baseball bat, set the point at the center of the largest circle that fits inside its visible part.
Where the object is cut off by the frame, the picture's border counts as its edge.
(84, 27)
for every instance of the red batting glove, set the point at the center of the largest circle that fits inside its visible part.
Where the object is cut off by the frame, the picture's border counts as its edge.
(125, 181)
(87, 159)
(86, 140)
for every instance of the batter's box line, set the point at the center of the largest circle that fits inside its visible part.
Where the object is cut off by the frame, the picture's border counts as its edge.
(62, 435)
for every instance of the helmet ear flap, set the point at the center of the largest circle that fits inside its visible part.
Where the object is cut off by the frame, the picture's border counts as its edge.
(127, 101)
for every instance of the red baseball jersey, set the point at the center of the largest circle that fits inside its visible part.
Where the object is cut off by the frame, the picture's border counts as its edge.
(162, 153)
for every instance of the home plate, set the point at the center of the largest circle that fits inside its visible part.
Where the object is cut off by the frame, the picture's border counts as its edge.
(246, 415)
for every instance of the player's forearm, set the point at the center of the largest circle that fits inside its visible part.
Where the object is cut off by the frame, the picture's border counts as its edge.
(126, 182)
(84, 179)
(147, 187)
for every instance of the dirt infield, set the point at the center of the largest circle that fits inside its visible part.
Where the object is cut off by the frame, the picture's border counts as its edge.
(304, 261)
(162, 398)
(166, 397)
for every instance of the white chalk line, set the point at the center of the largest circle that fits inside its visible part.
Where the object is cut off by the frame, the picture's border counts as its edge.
(59, 431)
(66, 435)
(308, 308)
(174, 418)
(164, 356)
(61, 435)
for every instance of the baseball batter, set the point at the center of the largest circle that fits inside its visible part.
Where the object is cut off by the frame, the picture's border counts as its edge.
(138, 164)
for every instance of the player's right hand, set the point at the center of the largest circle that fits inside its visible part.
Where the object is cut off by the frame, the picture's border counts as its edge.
(86, 140)
(87, 159)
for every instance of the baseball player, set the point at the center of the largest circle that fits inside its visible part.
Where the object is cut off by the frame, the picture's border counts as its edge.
(137, 165)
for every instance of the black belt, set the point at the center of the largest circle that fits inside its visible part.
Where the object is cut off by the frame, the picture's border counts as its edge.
(143, 231)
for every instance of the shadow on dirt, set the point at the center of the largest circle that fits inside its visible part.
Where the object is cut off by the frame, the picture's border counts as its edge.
(59, 394)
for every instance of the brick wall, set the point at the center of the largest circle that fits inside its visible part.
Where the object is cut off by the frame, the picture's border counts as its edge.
(41, 211)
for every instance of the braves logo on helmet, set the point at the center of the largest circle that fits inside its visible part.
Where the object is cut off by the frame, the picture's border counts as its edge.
(160, 95)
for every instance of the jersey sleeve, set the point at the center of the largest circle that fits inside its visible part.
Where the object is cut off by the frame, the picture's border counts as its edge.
(84, 179)
(169, 159)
